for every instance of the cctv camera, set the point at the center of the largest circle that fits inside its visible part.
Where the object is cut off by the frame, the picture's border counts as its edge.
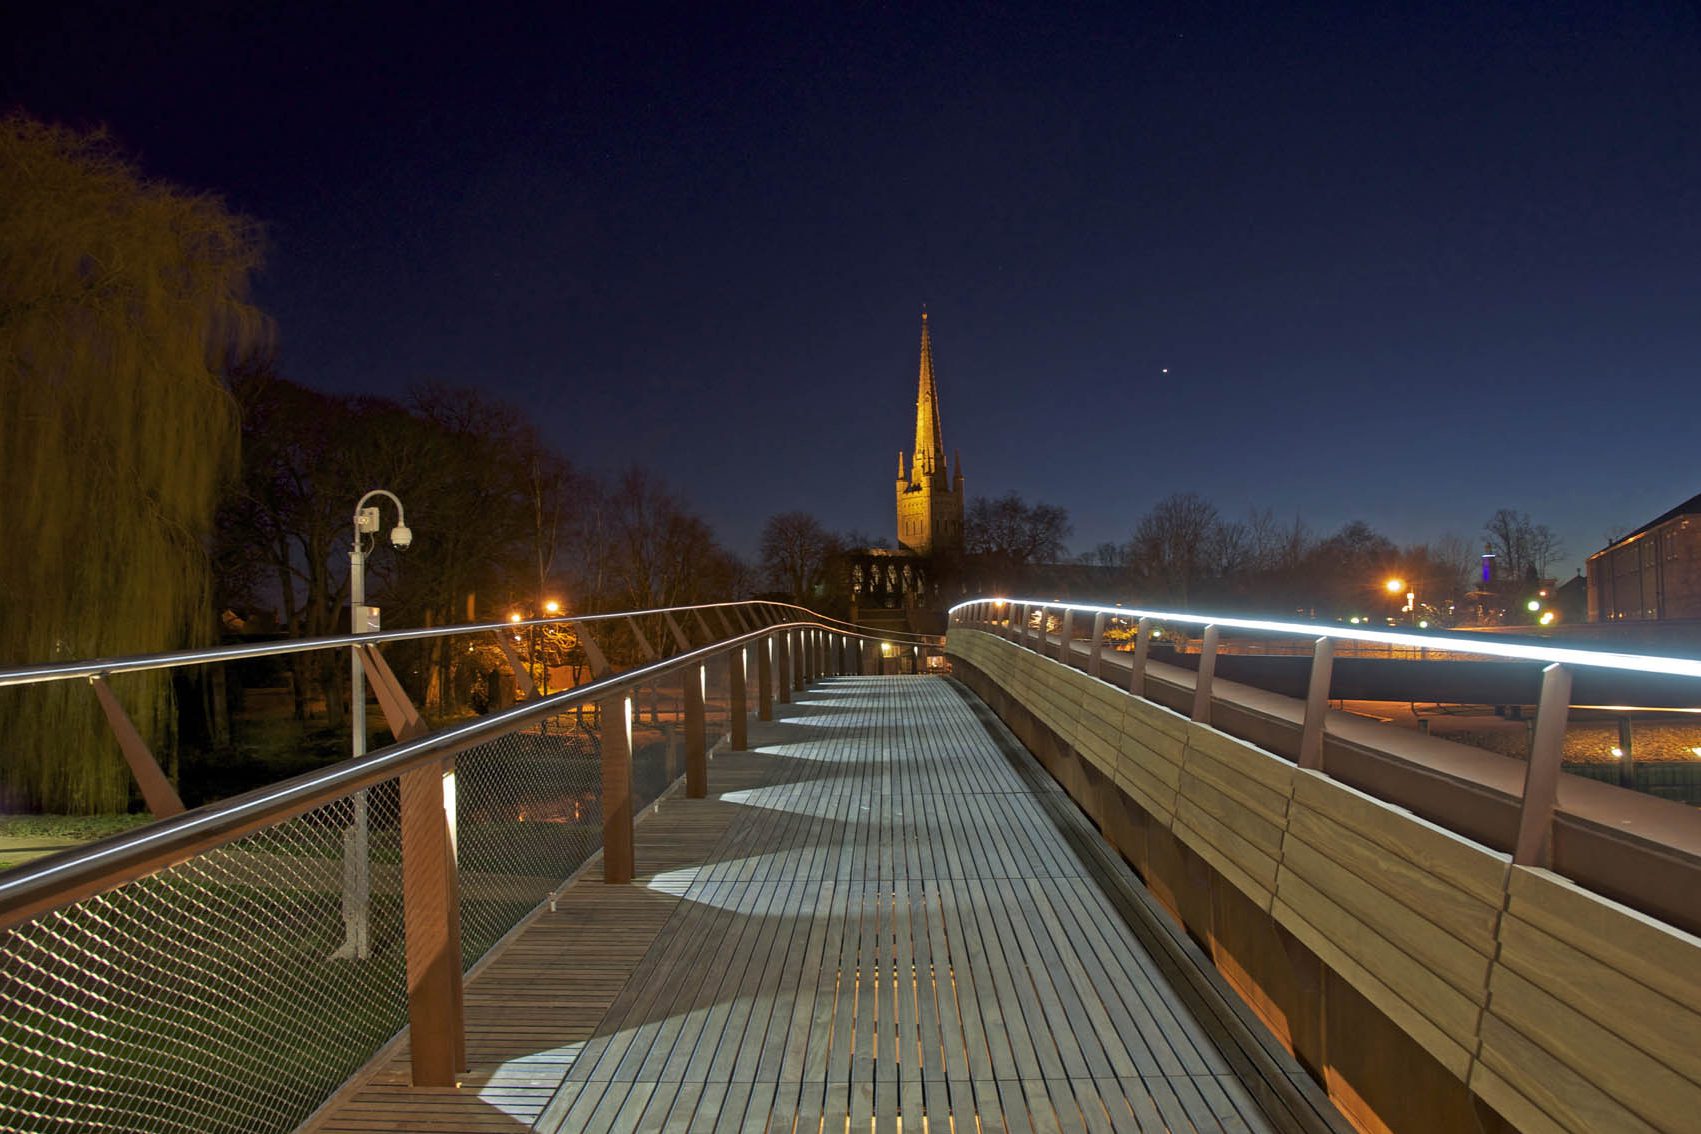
(401, 536)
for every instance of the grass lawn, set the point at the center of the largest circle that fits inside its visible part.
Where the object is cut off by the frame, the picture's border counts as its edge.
(26, 837)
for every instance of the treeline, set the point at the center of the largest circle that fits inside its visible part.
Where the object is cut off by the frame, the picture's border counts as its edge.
(503, 522)
(1184, 552)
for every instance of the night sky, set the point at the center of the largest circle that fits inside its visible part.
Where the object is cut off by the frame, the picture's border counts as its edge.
(1401, 267)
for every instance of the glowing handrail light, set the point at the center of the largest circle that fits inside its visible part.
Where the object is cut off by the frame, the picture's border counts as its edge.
(1601, 659)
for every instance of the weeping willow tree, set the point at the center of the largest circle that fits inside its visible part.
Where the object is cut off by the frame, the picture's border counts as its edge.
(121, 301)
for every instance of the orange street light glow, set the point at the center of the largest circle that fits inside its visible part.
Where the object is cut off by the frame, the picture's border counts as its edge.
(1395, 586)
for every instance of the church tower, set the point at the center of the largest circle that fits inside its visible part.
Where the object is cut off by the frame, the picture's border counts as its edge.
(930, 498)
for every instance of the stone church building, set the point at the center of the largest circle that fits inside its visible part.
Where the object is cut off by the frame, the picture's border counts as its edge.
(902, 589)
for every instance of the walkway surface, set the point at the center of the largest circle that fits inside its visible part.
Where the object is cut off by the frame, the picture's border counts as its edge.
(881, 913)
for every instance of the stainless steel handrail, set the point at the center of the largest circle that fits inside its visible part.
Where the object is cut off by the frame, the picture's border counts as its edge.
(71, 875)
(96, 667)
(1636, 663)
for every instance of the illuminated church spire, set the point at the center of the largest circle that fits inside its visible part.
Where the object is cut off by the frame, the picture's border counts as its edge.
(929, 499)
(929, 459)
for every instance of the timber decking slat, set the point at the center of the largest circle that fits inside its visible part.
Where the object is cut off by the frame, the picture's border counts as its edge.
(883, 915)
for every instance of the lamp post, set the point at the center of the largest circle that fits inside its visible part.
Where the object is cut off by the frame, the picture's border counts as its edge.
(363, 619)
(1394, 587)
(552, 608)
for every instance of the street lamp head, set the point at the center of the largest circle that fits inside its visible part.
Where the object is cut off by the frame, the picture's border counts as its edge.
(401, 536)
(1395, 586)
(552, 607)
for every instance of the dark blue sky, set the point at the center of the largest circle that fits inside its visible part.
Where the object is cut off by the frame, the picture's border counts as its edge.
(1405, 267)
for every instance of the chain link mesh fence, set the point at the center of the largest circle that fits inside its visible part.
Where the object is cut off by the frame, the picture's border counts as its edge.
(182, 1001)
(239, 989)
(528, 812)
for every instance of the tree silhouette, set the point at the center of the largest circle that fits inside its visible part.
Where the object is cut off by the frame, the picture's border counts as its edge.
(121, 302)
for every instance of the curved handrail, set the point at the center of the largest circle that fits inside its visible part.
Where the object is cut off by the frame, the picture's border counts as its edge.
(72, 875)
(1605, 659)
(96, 667)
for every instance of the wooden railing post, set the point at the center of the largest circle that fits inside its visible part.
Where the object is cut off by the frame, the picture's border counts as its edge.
(782, 666)
(1142, 647)
(799, 656)
(431, 928)
(1095, 651)
(1065, 629)
(738, 708)
(696, 741)
(1207, 671)
(617, 864)
(765, 678)
(1541, 777)
(1317, 704)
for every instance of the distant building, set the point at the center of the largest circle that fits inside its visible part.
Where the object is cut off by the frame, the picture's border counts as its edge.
(1652, 574)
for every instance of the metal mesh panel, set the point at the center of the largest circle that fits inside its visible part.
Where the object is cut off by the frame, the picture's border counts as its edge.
(215, 995)
(658, 742)
(238, 990)
(528, 814)
(716, 699)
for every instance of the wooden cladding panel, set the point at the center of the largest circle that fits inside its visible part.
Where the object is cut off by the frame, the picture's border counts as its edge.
(1460, 962)
(1411, 908)
(1262, 781)
(1445, 1023)
(1524, 1082)
(1417, 886)
(1231, 808)
(1432, 849)
(1603, 1001)
(1606, 996)
(1149, 768)
(1666, 959)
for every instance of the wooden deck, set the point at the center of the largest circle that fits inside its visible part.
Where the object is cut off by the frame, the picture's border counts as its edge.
(883, 916)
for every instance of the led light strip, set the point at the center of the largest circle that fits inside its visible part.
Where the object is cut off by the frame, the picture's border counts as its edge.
(1601, 659)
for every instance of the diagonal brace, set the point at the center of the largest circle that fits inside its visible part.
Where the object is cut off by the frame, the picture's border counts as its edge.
(162, 799)
(399, 713)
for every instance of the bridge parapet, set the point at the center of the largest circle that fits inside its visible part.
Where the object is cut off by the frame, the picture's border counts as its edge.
(227, 968)
(1428, 975)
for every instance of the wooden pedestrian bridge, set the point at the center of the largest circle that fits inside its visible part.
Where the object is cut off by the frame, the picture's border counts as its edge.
(761, 880)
